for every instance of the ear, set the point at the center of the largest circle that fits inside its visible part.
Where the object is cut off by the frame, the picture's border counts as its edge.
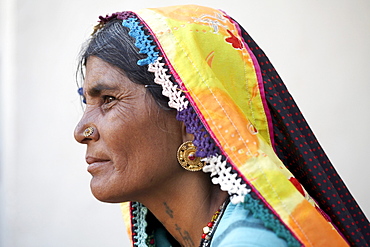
(185, 135)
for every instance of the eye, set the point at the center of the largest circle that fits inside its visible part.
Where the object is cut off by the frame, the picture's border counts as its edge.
(108, 99)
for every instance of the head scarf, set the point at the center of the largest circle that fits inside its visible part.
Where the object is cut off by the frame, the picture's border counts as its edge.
(247, 128)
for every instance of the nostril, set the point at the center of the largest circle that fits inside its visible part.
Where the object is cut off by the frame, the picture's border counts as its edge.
(84, 133)
(88, 131)
(79, 133)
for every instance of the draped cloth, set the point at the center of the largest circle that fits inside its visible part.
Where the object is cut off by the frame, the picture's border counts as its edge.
(256, 144)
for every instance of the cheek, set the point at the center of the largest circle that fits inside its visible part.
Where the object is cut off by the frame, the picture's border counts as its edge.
(128, 143)
(151, 150)
(143, 148)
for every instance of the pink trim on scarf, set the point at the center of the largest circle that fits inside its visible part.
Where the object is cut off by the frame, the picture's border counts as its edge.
(259, 80)
(195, 107)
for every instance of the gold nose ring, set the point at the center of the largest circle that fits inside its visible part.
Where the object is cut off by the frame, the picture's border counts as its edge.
(88, 131)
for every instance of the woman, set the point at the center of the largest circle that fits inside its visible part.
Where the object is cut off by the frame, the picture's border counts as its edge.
(174, 91)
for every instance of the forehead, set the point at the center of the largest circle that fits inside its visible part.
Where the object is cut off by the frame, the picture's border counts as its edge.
(102, 75)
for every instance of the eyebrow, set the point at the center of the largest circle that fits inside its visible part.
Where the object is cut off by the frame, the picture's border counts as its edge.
(98, 88)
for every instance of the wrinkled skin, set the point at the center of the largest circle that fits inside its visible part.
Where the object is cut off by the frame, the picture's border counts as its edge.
(132, 154)
(132, 151)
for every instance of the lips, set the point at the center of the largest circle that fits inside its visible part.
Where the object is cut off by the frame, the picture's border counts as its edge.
(90, 160)
(95, 163)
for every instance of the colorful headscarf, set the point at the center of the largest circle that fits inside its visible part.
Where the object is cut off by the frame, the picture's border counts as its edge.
(256, 144)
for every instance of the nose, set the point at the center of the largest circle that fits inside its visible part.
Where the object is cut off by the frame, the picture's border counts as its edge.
(86, 130)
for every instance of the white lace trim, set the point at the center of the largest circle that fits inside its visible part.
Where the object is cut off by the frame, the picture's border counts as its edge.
(141, 225)
(222, 175)
(176, 100)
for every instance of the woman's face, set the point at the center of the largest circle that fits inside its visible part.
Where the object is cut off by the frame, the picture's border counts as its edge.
(132, 150)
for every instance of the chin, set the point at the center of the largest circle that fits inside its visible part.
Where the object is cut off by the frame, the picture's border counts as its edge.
(105, 194)
(107, 198)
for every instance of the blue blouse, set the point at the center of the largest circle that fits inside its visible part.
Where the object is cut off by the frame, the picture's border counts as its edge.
(238, 228)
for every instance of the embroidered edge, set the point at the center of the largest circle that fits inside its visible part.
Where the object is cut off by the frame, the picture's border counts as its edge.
(142, 41)
(259, 211)
(221, 171)
(139, 224)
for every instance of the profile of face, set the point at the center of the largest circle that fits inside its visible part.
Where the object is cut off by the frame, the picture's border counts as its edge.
(132, 150)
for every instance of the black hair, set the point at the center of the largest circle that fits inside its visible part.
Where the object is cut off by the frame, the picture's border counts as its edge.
(113, 44)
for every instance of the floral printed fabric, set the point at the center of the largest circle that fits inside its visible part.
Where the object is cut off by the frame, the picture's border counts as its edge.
(246, 109)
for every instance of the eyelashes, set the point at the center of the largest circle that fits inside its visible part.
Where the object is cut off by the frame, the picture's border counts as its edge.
(107, 102)
(107, 99)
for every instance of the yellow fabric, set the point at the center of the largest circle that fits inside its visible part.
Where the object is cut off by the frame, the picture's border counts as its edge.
(232, 108)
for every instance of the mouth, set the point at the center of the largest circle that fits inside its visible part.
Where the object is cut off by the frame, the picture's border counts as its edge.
(95, 163)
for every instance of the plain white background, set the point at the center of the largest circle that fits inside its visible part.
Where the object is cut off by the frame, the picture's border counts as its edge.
(320, 49)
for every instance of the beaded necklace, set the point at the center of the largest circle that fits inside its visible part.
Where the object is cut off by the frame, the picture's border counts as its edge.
(209, 230)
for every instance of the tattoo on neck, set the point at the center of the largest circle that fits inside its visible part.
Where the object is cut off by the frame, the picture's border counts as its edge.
(168, 210)
(185, 236)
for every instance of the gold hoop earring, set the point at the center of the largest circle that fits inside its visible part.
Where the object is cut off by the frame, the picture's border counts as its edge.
(187, 158)
(88, 131)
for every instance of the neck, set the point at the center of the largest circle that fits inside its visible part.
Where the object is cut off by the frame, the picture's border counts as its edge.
(185, 205)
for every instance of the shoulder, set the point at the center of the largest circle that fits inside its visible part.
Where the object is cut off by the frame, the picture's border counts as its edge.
(239, 228)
